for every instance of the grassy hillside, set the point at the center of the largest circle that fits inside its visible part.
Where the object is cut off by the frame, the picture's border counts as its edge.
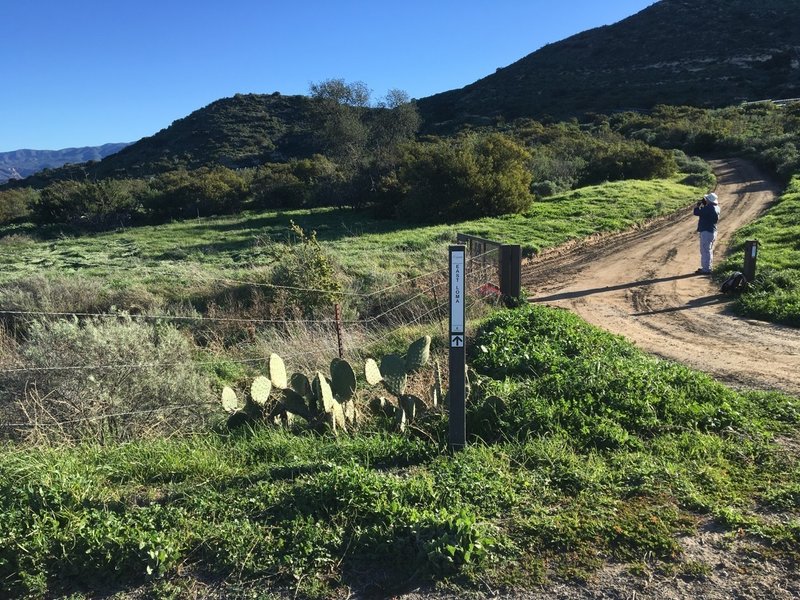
(587, 453)
(701, 53)
(365, 247)
(776, 293)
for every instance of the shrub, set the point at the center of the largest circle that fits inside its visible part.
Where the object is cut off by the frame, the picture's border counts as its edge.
(205, 191)
(69, 295)
(306, 275)
(90, 204)
(16, 204)
(107, 380)
(473, 177)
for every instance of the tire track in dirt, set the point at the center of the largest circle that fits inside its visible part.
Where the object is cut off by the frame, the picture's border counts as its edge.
(642, 285)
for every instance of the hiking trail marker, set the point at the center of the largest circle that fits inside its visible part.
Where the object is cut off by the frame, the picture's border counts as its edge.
(458, 360)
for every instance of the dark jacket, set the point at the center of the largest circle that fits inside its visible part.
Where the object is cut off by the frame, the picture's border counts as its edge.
(709, 215)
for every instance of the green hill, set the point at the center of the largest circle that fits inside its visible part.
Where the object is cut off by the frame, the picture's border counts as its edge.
(242, 131)
(683, 52)
(694, 52)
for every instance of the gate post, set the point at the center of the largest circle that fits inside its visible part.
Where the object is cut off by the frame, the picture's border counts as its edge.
(510, 272)
(750, 256)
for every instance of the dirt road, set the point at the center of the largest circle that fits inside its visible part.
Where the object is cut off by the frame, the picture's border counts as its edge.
(642, 285)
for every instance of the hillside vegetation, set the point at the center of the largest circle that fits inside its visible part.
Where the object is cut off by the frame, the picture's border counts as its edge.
(776, 292)
(583, 450)
(705, 53)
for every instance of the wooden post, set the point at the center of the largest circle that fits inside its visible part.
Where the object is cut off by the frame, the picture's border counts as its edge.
(510, 272)
(339, 332)
(750, 256)
(458, 355)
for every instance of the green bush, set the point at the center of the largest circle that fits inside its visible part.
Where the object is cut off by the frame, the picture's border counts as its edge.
(306, 276)
(202, 192)
(16, 204)
(91, 204)
(471, 177)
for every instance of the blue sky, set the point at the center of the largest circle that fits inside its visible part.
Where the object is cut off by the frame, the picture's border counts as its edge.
(88, 72)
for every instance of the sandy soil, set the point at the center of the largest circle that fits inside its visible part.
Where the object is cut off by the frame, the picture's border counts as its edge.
(642, 285)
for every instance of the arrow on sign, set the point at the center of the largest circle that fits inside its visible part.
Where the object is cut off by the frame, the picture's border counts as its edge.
(456, 341)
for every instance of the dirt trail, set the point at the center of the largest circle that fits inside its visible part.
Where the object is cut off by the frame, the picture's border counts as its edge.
(642, 285)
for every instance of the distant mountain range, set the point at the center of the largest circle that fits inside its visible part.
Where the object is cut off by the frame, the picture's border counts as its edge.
(682, 52)
(19, 164)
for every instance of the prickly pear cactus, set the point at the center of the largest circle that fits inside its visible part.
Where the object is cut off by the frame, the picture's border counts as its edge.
(418, 354)
(337, 418)
(372, 373)
(350, 413)
(238, 419)
(323, 393)
(260, 389)
(277, 372)
(229, 401)
(401, 420)
(300, 384)
(413, 406)
(393, 369)
(343, 380)
(295, 403)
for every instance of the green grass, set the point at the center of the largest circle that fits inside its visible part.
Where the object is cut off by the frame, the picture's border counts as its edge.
(181, 254)
(594, 453)
(776, 293)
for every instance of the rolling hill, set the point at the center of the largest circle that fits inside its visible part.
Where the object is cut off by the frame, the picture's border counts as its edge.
(682, 52)
(706, 53)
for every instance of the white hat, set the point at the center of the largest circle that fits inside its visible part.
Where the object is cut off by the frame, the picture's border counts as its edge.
(711, 198)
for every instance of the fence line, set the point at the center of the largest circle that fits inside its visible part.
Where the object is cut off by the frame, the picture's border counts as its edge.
(476, 282)
(112, 415)
(201, 318)
(124, 315)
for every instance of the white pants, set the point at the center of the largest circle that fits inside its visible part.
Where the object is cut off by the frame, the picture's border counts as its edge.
(707, 239)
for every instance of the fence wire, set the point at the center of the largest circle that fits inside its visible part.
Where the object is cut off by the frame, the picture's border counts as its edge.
(480, 283)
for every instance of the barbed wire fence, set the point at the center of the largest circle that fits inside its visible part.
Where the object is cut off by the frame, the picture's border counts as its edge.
(423, 301)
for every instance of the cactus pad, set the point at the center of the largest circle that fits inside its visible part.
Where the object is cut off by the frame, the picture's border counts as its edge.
(372, 373)
(229, 400)
(393, 369)
(350, 413)
(260, 389)
(300, 384)
(238, 419)
(412, 405)
(295, 404)
(323, 393)
(343, 380)
(338, 418)
(400, 419)
(418, 354)
(277, 372)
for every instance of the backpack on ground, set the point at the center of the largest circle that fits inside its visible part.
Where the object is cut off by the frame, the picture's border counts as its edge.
(735, 283)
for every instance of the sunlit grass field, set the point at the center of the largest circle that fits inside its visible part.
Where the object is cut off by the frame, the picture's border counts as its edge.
(366, 248)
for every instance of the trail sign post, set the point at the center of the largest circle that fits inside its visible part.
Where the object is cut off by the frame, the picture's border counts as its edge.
(458, 361)
(750, 256)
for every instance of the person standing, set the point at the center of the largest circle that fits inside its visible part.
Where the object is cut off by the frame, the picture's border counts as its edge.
(707, 209)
